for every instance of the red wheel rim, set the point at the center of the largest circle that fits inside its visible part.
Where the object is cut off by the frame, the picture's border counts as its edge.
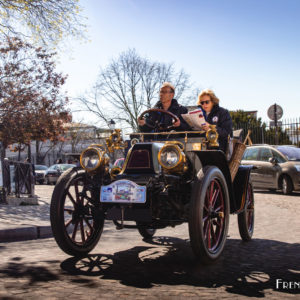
(214, 216)
(249, 209)
(78, 219)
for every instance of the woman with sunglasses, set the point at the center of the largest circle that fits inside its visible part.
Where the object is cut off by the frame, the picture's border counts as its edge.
(215, 115)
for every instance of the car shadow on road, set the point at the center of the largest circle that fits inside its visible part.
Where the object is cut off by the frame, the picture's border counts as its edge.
(247, 269)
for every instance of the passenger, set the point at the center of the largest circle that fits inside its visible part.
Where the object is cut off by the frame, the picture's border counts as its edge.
(215, 115)
(168, 103)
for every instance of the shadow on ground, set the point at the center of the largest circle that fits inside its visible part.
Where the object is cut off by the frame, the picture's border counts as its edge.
(248, 269)
(244, 268)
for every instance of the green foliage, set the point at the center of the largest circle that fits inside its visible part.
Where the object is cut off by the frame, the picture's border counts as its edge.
(260, 132)
(241, 117)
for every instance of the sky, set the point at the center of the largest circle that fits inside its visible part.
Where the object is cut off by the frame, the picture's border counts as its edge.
(247, 51)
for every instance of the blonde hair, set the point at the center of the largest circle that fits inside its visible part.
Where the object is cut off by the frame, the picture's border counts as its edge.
(209, 93)
(170, 85)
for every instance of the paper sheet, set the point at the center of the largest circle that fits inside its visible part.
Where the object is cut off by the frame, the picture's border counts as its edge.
(195, 119)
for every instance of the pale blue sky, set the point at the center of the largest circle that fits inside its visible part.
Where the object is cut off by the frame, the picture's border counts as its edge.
(247, 51)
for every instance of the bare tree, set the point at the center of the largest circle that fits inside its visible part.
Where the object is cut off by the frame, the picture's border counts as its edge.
(47, 21)
(128, 86)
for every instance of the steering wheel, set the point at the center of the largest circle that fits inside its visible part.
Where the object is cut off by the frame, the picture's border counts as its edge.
(157, 125)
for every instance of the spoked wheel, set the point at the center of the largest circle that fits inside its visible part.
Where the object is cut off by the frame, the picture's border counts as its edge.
(246, 218)
(74, 214)
(209, 215)
(146, 233)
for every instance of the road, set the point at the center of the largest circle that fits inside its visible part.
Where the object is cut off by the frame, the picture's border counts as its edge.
(124, 266)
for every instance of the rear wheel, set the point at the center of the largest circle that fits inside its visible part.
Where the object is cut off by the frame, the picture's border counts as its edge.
(246, 218)
(209, 215)
(287, 186)
(74, 214)
(145, 232)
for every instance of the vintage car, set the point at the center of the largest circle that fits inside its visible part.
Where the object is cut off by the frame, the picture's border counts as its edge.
(168, 178)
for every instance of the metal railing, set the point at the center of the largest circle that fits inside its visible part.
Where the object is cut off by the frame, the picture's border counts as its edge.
(287, 132)
(18, 178)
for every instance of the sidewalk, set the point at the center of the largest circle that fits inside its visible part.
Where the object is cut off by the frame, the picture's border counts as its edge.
(26, 222)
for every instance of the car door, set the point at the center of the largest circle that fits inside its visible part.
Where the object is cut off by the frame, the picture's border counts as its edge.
(280, 164)
(251, 158)
(267, 171)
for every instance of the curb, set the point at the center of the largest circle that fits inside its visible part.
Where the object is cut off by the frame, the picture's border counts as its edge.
(25, 233)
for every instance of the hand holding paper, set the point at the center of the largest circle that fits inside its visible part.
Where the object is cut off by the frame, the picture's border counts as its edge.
(195, 119)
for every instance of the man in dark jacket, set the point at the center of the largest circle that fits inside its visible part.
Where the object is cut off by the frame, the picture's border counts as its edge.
(166, 103)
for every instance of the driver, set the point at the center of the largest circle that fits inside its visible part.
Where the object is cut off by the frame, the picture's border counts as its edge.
(167, 103)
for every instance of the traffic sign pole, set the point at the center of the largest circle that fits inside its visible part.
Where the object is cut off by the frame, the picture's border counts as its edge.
(276, 126)
(275, 113)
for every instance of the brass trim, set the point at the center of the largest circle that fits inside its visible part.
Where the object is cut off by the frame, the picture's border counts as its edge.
(100, 156)
(197, 146)
(126, 160)
(115, 141)
(114, 172)
(175, 143)
(165, 132)
(213, 142)
(176, 147)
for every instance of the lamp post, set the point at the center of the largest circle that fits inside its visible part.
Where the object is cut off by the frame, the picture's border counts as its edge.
(112, 124)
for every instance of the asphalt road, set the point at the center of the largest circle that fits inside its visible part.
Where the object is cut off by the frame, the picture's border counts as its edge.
(126, 267)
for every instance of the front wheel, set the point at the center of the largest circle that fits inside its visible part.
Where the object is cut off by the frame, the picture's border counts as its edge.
(246, 218)
(74, 214)
(209, 214)
(145, 232)
(287, 186)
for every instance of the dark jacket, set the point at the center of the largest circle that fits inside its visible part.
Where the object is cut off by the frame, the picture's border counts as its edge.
(220, 116)
(166, 119)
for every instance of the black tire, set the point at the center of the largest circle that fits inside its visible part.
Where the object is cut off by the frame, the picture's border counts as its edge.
(146, 233)
(74, 215)
(246, 218)
(217, 214)
(287, 185)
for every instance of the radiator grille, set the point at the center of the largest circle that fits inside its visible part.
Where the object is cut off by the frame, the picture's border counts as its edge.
(139, 159)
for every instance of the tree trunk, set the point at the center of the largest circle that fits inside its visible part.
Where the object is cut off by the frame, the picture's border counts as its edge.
(29, 152)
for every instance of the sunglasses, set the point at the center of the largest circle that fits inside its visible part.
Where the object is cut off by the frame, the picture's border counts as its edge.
(205, 102)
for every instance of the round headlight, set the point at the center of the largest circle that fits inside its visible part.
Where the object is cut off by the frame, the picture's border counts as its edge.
(91, 159)
(169, 156)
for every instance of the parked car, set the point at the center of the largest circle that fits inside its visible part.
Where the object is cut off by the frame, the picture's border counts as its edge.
(53, 173)
(276, 167)
(39, 173)
(168, 178)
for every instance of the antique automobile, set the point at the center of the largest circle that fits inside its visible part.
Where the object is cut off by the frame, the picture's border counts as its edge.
(168, 178)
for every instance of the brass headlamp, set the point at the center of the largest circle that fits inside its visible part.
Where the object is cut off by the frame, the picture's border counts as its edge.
(93, 158)
(212, 136)
(172, 159)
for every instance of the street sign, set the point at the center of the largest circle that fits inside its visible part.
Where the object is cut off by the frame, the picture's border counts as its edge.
(275, 112)
(272, 123)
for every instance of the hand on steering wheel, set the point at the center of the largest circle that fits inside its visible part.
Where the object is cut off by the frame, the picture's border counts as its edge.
(159, 126)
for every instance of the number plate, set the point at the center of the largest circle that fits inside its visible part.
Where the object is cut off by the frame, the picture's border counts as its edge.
(123, 191)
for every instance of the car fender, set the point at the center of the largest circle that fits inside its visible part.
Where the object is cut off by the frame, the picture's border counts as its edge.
(217, 158)
(240, 185)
